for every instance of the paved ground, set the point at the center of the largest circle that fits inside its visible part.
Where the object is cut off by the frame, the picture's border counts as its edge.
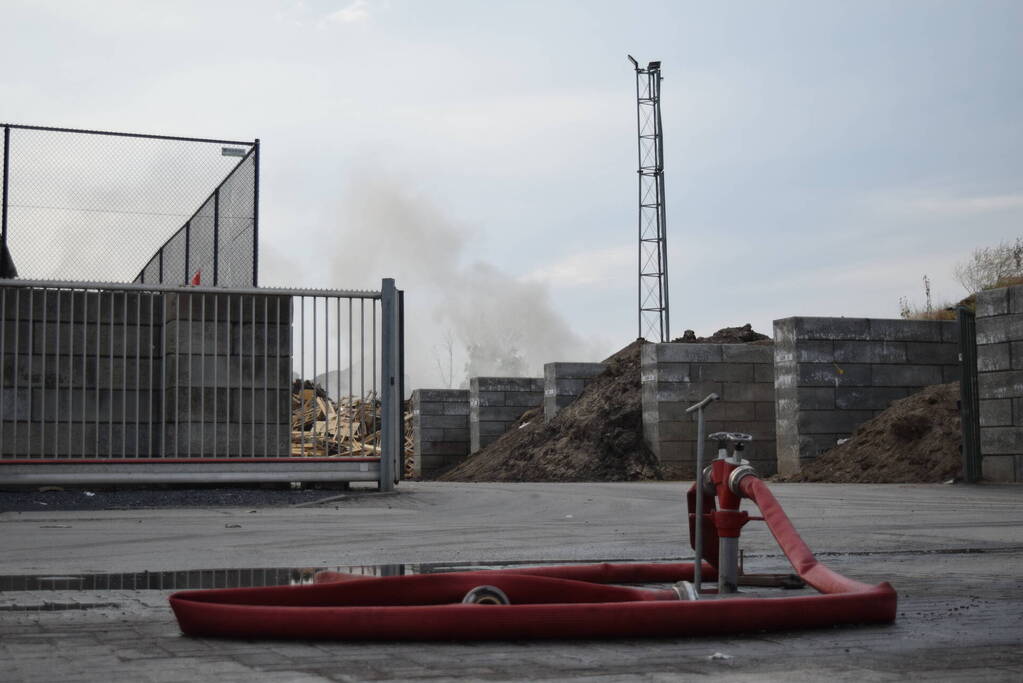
(953, 552)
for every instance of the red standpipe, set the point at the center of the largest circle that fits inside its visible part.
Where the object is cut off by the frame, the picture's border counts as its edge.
(547, 602)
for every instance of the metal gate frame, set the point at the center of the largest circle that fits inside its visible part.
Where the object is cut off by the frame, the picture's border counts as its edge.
(383, 469)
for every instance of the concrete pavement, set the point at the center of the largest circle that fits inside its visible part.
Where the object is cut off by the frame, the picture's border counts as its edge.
(953, 552)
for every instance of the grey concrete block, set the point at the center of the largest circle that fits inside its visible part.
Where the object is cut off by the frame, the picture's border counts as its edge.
(868, 398)
(822, 375)
(1001, 440)
(764, 410)
(523, 399)
(192, 440)
(905, 330)
(553, 371)
(951, 373)
(816, 398)
(747, 392)
(722, 410)
(721, 372)
(763, 373)
(490, 427)
(747, 353)
(683, 393)
(832, 328)
(15, 404)
(78, 405)
(870, 352)
(450, 408)
(999, 329)
(949, 332)
(906, 375)
(996, 412)
(688, 353)
(814, 351)
(487, 398)
(199, 337)
(992, 302)
(441, 395)
(234, 308)
(446, 422)
(267, 339)
(669, 372)
(450, 448)
(1015, 299)
(832, 421)
(1006, 384)
(999, 468)
(994, 357)
(1017, 411)
(927, 353)
(508, 384)
(565, 387)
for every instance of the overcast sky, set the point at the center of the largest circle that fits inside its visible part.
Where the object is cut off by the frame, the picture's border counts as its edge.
(821, 157)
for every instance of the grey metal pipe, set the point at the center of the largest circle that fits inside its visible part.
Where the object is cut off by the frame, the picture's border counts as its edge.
(728, 566)
(698, 512)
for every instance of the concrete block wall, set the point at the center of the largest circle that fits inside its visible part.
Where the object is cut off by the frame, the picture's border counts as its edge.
(496, 403)
(674, 376)
(1000, 380)
(563, 382)
(227, 391)
(832, 374)
(76, 373)
(440, 426)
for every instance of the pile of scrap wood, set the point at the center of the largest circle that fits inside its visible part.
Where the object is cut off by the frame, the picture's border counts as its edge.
(321, 426)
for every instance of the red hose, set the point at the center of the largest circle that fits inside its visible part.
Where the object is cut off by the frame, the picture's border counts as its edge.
(547, 602)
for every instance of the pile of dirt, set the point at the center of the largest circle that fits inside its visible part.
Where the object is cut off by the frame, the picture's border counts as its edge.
(598, 437)
(727, 335)
(916, 440)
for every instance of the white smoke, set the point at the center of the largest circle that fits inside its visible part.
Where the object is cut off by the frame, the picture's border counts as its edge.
(463, 318)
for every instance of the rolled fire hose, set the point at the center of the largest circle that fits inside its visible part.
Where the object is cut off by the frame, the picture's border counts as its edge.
(545, 602)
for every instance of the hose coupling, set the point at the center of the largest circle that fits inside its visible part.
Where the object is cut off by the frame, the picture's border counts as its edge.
(737, 475)
(486, 595)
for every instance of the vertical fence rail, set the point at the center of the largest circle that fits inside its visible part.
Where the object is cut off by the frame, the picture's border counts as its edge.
(969, 394)
(92, 371)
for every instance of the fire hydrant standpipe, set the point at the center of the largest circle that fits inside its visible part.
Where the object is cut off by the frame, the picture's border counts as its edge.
(550, 602)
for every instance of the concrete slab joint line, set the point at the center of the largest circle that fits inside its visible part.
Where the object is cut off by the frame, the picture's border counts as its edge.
(832, 374)
(1000, 382)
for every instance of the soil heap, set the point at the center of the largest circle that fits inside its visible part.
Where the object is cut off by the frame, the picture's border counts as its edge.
(598, 437)
(726, 335)
(916, 440)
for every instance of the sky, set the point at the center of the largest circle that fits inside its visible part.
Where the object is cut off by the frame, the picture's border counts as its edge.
(821, 157)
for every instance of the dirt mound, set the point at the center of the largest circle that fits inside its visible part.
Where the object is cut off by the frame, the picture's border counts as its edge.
(598, 437)
(727, 335)
(915, 441)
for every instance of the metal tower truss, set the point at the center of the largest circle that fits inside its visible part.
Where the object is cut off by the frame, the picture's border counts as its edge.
(653, 247)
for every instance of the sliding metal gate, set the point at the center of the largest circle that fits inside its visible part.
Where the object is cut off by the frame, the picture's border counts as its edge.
(136, 383)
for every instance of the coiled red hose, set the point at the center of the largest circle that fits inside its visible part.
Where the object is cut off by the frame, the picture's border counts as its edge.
(547, 602)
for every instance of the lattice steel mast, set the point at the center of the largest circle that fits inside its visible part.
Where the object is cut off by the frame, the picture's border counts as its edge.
(653, 246)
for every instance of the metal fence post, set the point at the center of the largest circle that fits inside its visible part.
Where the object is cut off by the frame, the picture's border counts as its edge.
(3, 199)
(390, 399)
(969, 404)
(216, 235)
(255, 215)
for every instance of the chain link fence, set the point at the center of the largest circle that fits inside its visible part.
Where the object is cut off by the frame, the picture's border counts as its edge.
(121, 207)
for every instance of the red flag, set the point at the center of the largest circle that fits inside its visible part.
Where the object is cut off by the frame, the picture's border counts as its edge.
(197, 278)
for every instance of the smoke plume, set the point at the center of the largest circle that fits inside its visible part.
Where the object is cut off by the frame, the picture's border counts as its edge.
(463, 318)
